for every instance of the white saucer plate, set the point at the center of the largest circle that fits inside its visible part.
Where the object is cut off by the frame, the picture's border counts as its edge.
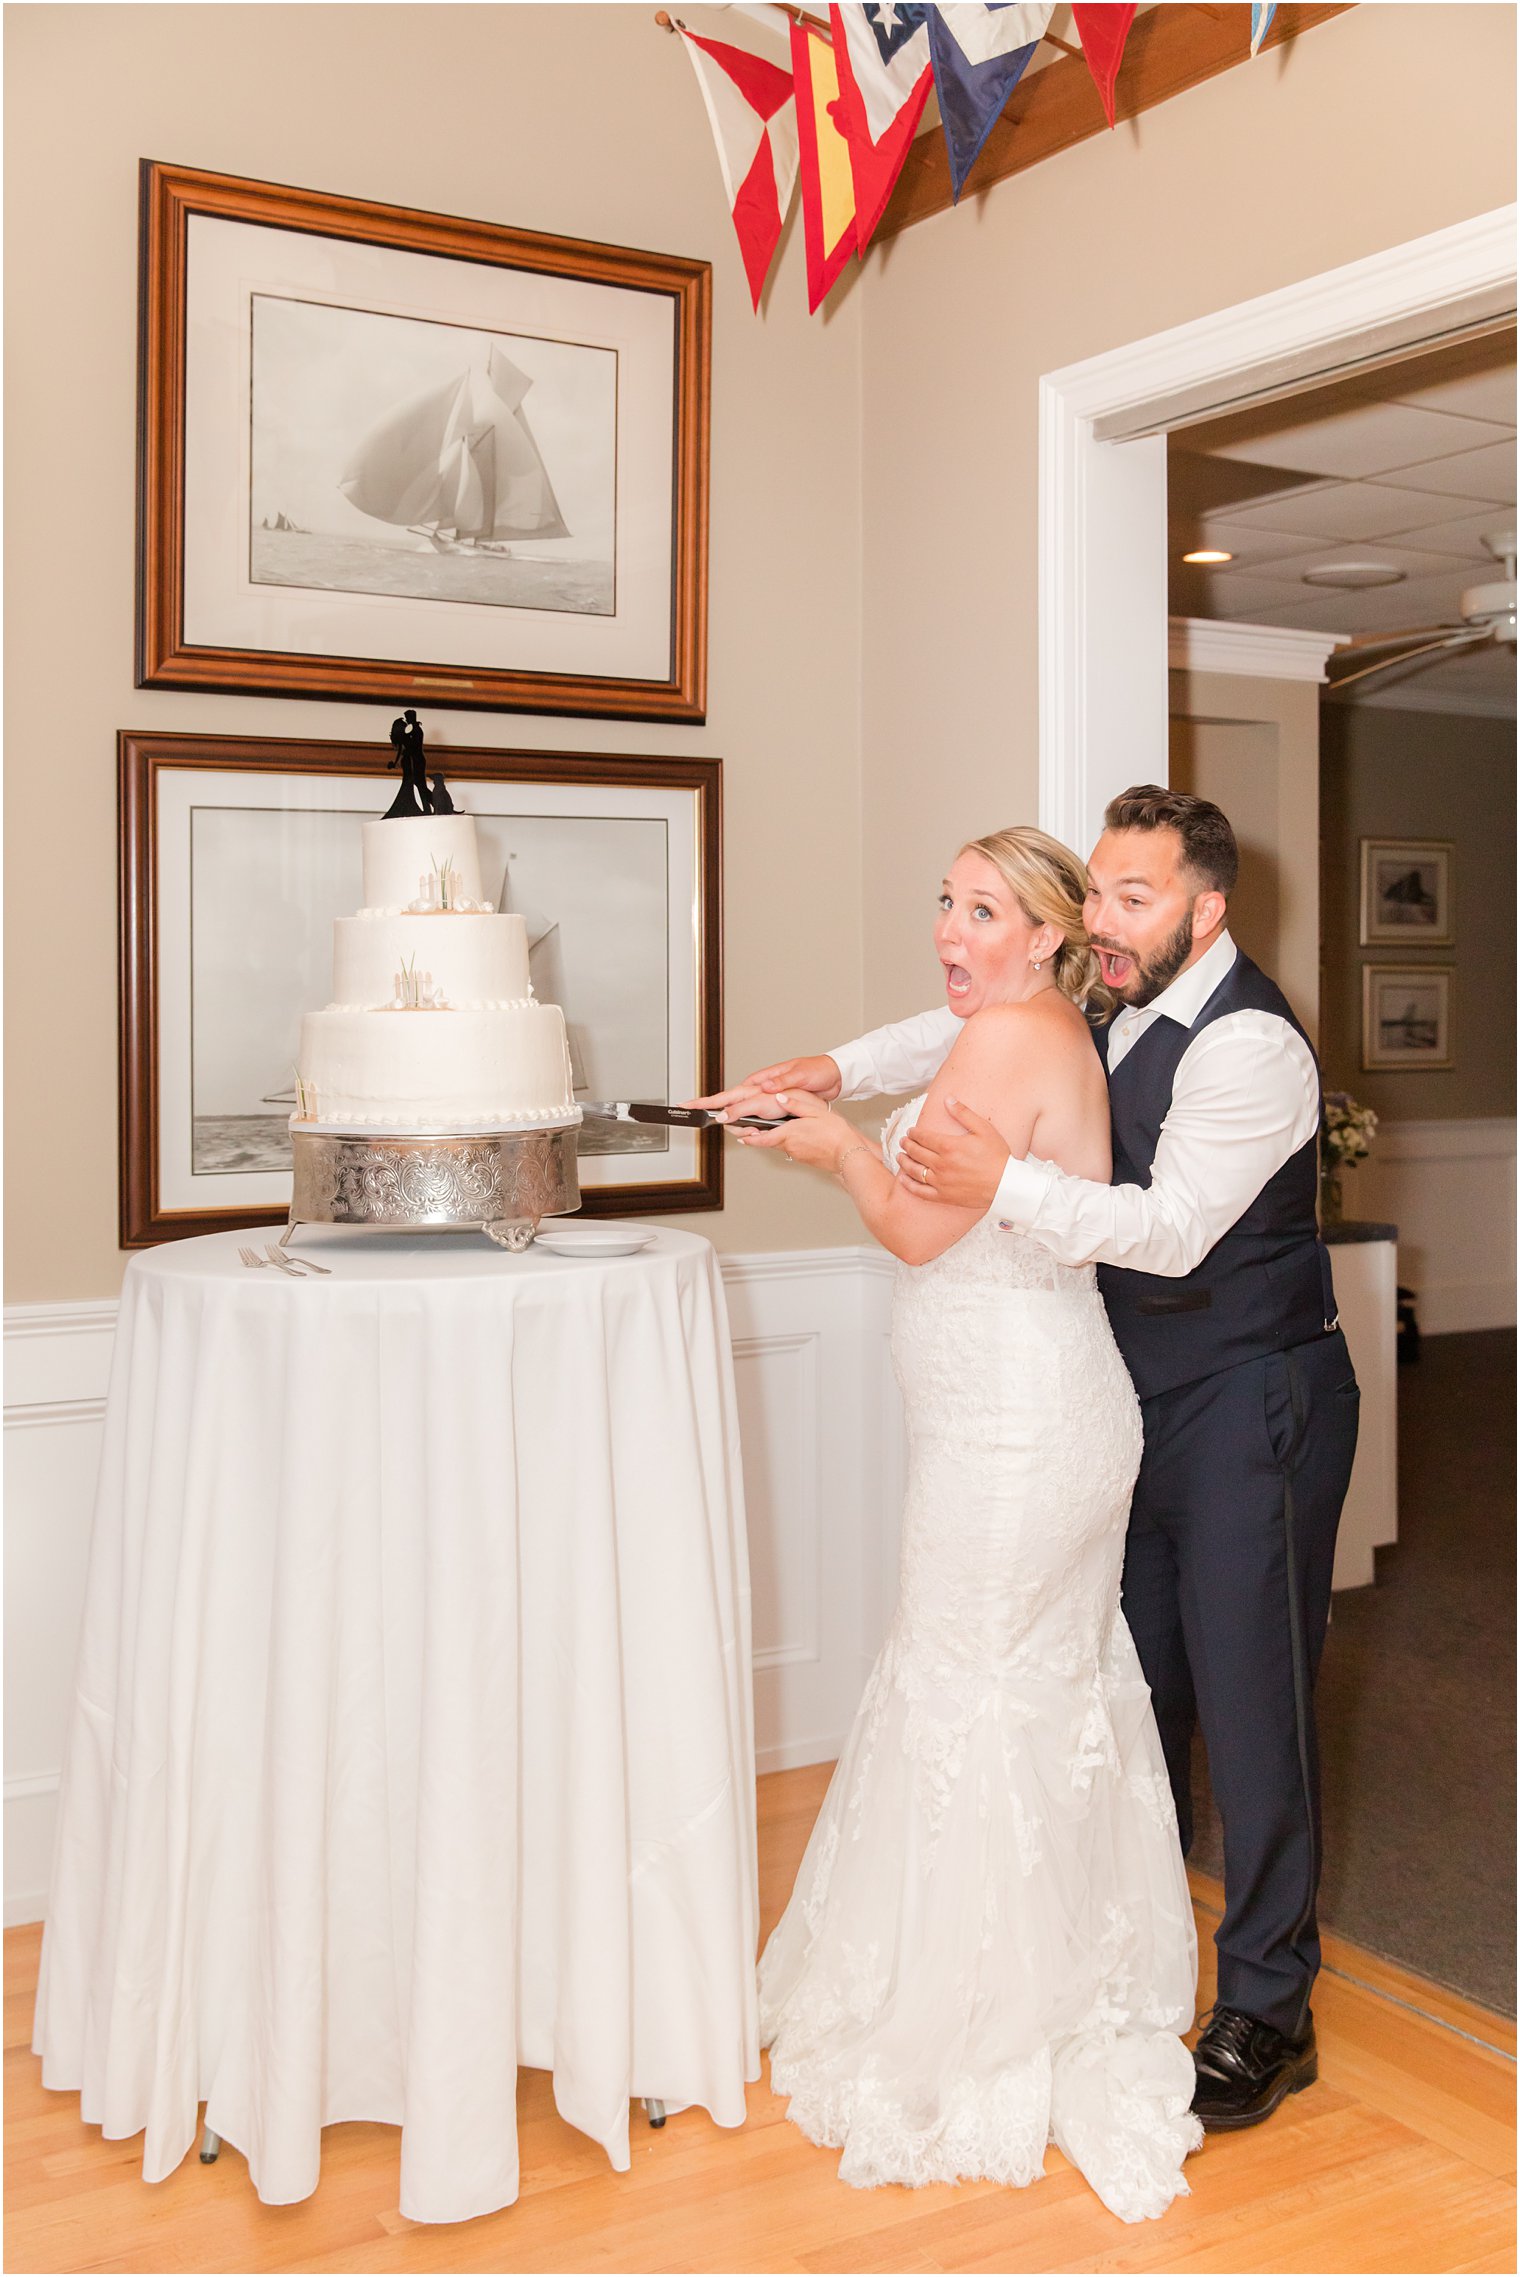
(591, 1240)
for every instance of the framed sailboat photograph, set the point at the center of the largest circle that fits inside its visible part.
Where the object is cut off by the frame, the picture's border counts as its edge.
(392, 455)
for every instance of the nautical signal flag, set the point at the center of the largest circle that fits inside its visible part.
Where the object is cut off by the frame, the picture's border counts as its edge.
(828, 183)
(1103, 32)
(881, 50)
(1261, 22)
(754, 123)
(979, 53)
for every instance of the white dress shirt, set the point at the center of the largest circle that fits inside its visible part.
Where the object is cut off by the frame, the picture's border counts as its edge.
(1245, 1097)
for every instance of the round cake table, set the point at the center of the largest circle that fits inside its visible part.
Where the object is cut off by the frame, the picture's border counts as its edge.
(412, 1738)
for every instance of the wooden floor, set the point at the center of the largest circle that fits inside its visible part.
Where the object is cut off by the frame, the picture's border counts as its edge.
(1402, 2158)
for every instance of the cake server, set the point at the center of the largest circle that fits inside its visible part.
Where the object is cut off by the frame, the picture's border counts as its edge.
(688, 1118)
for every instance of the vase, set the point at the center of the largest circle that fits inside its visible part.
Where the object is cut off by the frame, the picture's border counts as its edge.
(1331, 1208)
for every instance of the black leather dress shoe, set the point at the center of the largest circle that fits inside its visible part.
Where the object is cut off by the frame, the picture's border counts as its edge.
(1245, 2069)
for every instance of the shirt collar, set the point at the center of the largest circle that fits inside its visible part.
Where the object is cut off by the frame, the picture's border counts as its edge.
(1191, 990)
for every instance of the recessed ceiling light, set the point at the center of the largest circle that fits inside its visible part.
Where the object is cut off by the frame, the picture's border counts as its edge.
(1353, 576)
(1208, 556)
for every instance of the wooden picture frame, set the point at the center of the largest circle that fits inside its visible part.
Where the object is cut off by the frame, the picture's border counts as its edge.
(282, 365)
(1407, 1018)
(224, 834)
(1406, 893)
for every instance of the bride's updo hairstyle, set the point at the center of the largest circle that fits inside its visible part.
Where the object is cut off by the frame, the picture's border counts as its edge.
(1050, 886)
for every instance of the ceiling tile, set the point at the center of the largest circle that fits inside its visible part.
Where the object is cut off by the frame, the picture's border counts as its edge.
(1463, 536)
(1221, 593)
(1391, 608)
(1364, 439)
(1289, 569)
(1481, 395)
(1487, 474)
(1348, 510)
(1246, 543)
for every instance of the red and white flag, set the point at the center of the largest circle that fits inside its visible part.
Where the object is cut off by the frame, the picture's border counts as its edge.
(882, 50)
(754, 122)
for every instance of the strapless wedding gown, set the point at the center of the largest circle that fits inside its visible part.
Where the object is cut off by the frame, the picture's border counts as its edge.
(990, 1944)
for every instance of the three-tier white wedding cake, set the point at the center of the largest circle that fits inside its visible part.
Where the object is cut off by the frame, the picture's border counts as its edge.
(433, 1024)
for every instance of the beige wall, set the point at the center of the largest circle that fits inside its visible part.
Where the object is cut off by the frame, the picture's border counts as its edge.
(1374, 128)
(1391, 774)
(1252, 746)
(583, 121)
(873, 523)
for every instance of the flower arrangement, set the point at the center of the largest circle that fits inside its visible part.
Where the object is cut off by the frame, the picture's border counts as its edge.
(1345, 1139)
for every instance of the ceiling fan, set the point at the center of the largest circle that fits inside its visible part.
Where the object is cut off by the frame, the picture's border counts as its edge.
(1488, 619)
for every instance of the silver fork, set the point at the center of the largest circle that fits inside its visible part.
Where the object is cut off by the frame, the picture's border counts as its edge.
(252, 1257)
(279, 1256)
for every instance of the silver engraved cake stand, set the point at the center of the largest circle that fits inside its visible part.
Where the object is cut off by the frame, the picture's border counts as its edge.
(499, 1182)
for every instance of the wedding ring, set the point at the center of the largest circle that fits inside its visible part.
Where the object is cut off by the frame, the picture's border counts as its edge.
(923, 1174)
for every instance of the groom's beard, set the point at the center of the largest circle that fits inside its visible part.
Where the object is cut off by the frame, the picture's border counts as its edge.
(1157, 971)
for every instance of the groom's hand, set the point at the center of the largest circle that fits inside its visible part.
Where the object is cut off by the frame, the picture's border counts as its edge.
(818, 1075)
(962, 1168)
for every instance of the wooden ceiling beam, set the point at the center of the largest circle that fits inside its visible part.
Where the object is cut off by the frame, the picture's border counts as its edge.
(1171, 47)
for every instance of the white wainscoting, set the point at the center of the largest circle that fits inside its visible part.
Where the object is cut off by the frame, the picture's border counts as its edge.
(823, 1462)
(1449, 1187)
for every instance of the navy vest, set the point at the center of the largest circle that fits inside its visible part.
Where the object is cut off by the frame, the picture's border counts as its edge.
(1265, 1285)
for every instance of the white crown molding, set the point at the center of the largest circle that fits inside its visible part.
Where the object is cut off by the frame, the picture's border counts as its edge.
(1257, 652)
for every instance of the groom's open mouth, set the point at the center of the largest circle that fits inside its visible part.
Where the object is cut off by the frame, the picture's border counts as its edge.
(1117, 967)
(957, 980)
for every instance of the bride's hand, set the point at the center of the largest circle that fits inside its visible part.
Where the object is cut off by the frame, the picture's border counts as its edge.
(818, 1075)
(963, 1167)
(813, 1134)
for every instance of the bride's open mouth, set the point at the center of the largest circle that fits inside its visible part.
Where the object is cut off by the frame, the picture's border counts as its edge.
(957, 980)
(1116, 967)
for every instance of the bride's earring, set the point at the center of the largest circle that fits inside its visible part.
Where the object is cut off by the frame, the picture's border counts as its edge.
(1037, 963)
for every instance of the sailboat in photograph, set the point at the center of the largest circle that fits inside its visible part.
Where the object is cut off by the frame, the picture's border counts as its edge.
(458, 465)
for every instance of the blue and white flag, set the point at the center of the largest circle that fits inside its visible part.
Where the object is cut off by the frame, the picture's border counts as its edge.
(881, 52)
(1261, 22)
(979, 52)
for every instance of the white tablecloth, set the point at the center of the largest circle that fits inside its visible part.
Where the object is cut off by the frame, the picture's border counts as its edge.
(412, 1738)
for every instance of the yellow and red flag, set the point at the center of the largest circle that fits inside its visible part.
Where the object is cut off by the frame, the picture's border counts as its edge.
(828, 185)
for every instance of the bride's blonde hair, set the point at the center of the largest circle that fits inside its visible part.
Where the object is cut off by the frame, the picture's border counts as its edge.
(1050, 886)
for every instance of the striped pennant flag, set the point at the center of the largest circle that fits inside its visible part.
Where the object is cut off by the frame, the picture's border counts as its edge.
(882, 55)
(1261, 22)
(828, 182)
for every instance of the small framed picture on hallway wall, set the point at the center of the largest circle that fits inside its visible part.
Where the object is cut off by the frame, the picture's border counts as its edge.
(1406, 1016)
(1406, 893)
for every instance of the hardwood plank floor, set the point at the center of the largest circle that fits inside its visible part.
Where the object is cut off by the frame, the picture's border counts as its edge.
(1402, 2158)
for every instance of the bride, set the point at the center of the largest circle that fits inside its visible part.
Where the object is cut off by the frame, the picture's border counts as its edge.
(990, 1944)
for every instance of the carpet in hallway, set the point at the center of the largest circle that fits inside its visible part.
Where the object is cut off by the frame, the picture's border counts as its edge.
(1417, 1694)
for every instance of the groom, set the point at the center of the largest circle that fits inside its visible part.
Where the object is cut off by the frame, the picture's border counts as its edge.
(1219, 1295)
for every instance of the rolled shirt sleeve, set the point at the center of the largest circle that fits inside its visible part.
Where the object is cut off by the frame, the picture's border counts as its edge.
(1245, 1097)
(904, 1056)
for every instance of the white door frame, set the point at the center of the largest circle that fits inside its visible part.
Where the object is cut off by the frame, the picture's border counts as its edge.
(1103, 425)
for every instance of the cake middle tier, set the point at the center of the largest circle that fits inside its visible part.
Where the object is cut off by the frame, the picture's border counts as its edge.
(432, 1070)
(469, 961)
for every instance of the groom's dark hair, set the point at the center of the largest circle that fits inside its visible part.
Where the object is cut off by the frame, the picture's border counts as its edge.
(1208, 843)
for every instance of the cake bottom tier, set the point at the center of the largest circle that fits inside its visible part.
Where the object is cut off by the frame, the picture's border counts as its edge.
(425, 1070)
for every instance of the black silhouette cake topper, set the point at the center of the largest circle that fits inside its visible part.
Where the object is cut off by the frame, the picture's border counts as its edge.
(416, 794)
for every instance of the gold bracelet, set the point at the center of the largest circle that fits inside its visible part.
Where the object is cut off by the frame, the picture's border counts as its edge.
(861, 1146)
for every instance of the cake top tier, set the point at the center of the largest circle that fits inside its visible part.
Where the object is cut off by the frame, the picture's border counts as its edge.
(427, 860)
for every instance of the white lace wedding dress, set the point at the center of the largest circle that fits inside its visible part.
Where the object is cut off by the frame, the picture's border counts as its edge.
(990, 1944)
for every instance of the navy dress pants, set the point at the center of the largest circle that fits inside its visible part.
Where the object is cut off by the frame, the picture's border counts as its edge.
(1227, 1595)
